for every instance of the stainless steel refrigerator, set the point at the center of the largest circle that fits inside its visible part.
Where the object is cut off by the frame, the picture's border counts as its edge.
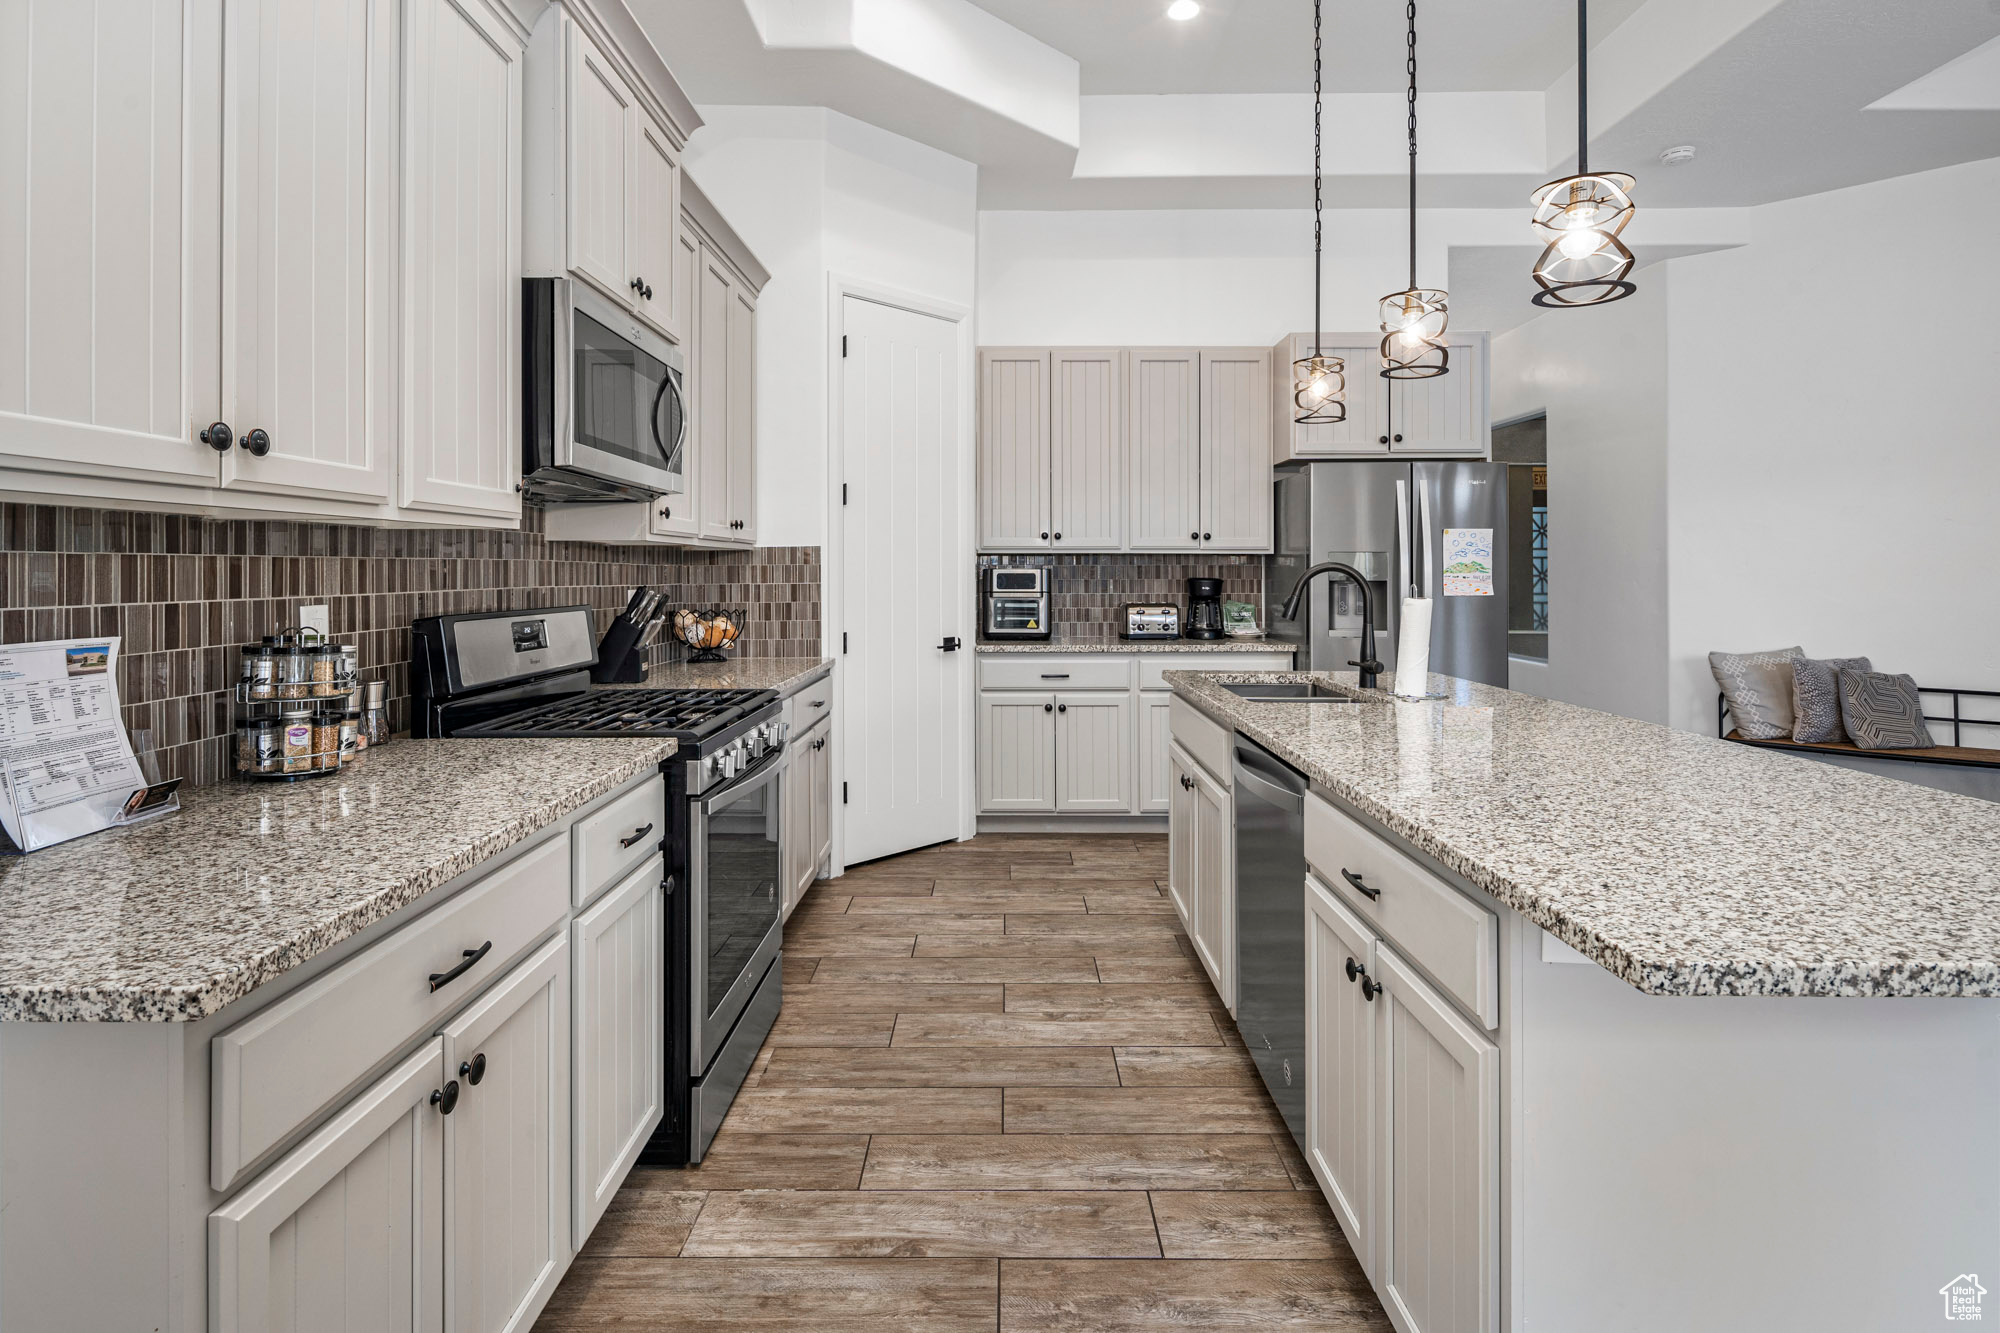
(1347, 511)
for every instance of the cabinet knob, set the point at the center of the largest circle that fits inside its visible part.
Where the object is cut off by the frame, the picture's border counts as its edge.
(257, 442)
(1399, 439)
(1207, 537)
(1354, 969)
(474, 1069)
(1058, 536)
(1194, 536)
(445, 1098)
(666, 511)
(1045, 536)
(1048, 708)
(1187, 783)
(648, 293)
(1370, 988)
(639, 285)
(1385, 439)
(218, 436)
(1062, 708)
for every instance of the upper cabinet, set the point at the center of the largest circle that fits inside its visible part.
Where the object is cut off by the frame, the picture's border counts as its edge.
(1114, 449)
(1445, 416)
(267, 260)
(604, 174)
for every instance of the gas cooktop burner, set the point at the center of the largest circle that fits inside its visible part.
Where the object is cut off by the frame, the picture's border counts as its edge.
(686, 714)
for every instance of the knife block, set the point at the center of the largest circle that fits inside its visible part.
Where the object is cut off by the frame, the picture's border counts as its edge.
(620, 659)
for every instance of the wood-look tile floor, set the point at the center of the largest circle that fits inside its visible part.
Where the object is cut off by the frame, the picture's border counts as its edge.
(1001, 1096)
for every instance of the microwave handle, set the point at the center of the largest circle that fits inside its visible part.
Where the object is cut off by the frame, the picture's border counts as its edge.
(666, 383)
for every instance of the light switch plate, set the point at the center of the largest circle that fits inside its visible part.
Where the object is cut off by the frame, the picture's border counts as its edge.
(315, 616)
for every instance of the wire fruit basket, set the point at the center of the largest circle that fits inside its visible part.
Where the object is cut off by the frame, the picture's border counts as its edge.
(707, 633)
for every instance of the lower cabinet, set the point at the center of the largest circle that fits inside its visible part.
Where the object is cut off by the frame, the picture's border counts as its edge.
(1201, 867)
(1154, 778)
(1402, 1125)
(807, 802)
(1067, 753)
(619, 1078)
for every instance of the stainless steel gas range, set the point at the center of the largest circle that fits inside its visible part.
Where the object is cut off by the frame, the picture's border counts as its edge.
(526, 674)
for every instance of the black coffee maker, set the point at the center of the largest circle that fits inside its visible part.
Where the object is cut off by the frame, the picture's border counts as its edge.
(1204, 611)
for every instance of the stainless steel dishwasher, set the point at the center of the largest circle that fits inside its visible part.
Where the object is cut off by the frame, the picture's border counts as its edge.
(1270, 799)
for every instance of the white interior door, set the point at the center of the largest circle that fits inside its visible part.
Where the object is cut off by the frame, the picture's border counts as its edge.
(906, 579)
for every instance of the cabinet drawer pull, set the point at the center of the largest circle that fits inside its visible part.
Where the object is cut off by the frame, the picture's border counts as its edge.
(1355, 880)
(439, 980)
(1055, 675)
(474, 1069)
(636, 835)
(445, 1098)
(819, 703)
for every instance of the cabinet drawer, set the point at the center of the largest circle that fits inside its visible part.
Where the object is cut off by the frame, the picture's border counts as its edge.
(276, 1069)
(1438, 928)
(1208, 741)
(812, 703)
(617, 837)
(1154, 666)
(1055, 673)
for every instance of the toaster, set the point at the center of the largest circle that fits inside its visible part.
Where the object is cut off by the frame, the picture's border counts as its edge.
(1151, 620)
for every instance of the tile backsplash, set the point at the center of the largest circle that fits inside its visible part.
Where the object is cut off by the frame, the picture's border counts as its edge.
(182, 592)
(1089, 592)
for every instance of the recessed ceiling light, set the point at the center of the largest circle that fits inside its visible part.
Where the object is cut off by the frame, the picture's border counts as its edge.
(1183, 10)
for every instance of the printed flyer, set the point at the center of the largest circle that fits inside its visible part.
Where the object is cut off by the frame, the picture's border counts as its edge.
(1468, 562)
(66, 765)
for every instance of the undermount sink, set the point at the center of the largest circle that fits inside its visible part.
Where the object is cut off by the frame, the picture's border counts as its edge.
(1288, 691)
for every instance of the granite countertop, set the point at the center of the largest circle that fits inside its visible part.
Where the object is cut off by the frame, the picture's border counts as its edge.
(783, 674)
(1680, 863)
(171, 920)
(1118, 645)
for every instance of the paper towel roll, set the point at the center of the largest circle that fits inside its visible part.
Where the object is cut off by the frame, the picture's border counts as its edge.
(1413, 648)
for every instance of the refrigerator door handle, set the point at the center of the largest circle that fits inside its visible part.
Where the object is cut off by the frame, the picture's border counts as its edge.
(1403, 578)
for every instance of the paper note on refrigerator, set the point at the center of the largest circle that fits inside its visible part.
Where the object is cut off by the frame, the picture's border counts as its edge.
(1468, 562)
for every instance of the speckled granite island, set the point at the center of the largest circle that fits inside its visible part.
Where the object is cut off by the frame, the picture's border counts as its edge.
(252, 1021)
(1605, 1026)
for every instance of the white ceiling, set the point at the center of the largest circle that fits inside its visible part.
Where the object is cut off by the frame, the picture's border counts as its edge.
(1263, 46)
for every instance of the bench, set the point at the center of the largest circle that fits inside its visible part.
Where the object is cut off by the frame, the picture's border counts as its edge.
(1957, 752)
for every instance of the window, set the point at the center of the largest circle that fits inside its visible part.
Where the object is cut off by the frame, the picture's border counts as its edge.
(1523, 446)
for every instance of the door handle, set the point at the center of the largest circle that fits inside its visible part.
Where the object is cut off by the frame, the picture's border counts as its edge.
(439, 980)
(1355, 880)
(950, 645)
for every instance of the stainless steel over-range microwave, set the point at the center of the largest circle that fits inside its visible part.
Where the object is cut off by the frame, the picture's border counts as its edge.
(605, 403)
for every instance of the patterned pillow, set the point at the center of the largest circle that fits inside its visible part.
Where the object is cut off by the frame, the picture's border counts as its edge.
(1758, 687)
(1816, 697)
(1882, 712)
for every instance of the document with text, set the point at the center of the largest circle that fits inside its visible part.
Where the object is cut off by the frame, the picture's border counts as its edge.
(66, 765)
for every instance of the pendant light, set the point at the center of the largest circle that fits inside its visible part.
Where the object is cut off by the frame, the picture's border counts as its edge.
(1578, 218)
(1413, 320)
(1319, 381)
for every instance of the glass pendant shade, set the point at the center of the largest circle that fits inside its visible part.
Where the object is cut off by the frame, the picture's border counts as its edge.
(1413, 325)
(1578, 220)
(1319, 390)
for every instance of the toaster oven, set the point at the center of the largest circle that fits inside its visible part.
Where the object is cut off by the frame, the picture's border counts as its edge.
(1014, 603)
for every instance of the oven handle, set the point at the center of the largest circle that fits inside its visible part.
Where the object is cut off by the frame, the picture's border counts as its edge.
(755, 773)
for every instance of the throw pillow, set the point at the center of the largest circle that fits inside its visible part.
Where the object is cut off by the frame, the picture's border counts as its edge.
(1758, 687)
(1816, 697)
(1883, 712)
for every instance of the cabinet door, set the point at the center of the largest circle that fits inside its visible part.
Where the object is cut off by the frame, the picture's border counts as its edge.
(796, 800)
(618, 1080)
(1164, 479)
(107, 241)
(1156, 781)
(743, 416)
(309, 166)
(654, 225)
(1087, 449)
(712, 402)
(1014, 449)
(1341, 1037)
(822, 804)
(1094, 753)
(1446, 414)
(1214, 928)
(1439, 1265)
(1182, 832)
(601, 115)
(506, 1147)
(1235, 459)
(460, 423)
(1366, 429)
(679, 515)
(1017, 752)
(346, 1233)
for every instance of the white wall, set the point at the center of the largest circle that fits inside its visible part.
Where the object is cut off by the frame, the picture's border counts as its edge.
(1601, 376)
(816, 193)
(1834, 462)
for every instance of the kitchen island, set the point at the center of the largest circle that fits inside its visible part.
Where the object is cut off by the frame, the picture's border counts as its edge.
(1611, 1026)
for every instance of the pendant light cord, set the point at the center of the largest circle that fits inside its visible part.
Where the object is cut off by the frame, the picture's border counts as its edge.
(1582, 91)
(1316, 180)
(1411, 65)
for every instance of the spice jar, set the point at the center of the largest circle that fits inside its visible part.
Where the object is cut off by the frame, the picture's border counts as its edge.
(295, 672)
(259, 746)
(375, 713)
(326, 739)
(350, 733)
(263, 665)
(325, 663)
(350, 664)
(296, 723)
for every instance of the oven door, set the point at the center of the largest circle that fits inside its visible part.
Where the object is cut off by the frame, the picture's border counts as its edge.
(1019, 614)
(735, 878)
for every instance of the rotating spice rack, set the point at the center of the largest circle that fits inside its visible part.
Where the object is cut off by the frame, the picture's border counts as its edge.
(299, 711)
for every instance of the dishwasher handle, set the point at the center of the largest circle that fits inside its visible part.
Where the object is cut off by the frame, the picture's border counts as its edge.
(1284, 797)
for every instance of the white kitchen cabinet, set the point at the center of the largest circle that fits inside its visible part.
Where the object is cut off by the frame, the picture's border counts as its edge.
(309, 168)
(821, 810)
(618, 1087)
(600, 124)
(506, 1148)
(1014, 449)
(1365, 431)
(346, 1232)
(653, 234)
(678, 517)
(1213, 930)
(1181, 834)
(1446, 416)
(742, 432)
(108, 170)
(1154, 777)
(1087, 449)
(1341, 1062)
(1017, 751)
(1235, 480)
(1438, 1267)
(1163, 486)
(460, 425)
(1093, 752)
(808, 813)
(725, 421)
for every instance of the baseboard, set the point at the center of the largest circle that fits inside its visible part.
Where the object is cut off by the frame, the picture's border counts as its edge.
(1072, 823)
